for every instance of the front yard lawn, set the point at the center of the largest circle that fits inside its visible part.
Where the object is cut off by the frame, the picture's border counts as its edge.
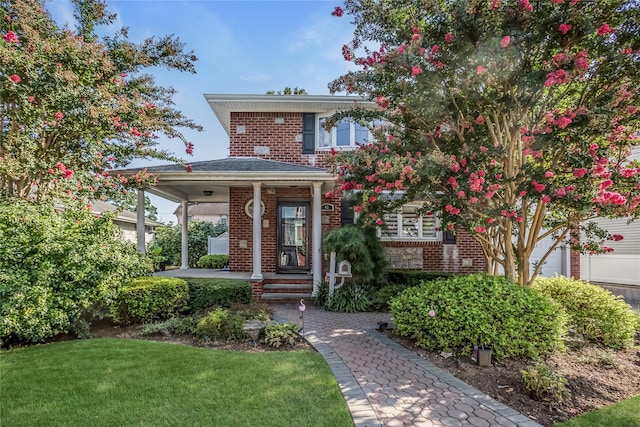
(622, 414)
(124, 382)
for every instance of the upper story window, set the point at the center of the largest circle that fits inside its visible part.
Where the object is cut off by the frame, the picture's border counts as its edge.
(346, 135)
(406, 224)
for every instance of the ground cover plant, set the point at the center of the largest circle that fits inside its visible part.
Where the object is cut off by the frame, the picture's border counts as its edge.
(112, 382)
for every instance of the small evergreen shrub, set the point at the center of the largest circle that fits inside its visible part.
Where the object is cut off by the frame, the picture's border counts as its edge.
(145, 299)
(350, 298)
(221, 325)
(281, 334)
(205, 293)
(320, 298)
(543, 383)
(410, 278)
(513, 320)
(594, 312)
(382, 296)
(213, 261)
(252, 311)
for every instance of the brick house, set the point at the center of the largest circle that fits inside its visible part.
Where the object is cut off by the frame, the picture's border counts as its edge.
(277, 173)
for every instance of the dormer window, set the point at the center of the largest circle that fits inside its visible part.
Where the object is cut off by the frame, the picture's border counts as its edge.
(346, 135)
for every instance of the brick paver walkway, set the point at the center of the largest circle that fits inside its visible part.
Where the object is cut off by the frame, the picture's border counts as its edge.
(385, 384)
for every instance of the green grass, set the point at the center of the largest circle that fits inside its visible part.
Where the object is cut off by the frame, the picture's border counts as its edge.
(120, 382)
(622, 414)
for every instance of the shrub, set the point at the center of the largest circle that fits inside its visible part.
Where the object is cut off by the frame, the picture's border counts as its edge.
(169, 238)
(252, 311)
(381, 297)
(205, 293)
(175, 325)
(57, 268)
(593, 312)
(146, 299)
(221, 325)
(543, 383)
(281, 334)
(361, 247)
(413, 278)
(513, 320)
(350, 298)
(213, 261)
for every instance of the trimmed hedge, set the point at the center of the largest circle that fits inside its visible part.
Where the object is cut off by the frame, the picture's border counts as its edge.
(205, 293)
(145, 299)
(593, 312)
(410, 278)
(513, 320)
(213, 261)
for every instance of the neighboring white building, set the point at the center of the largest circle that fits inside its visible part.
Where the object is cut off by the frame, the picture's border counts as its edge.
(126, 220)
(212, 212)
(622, 266)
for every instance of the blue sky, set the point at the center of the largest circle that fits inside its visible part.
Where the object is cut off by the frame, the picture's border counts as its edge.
(243, 47)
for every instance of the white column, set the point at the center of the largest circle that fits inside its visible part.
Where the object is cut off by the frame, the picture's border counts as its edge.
(140, 223)
(185, 235)
(257, 232)
(316, 242)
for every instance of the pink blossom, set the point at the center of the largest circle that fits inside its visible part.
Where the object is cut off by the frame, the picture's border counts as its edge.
(545, 199)
(450, 227)
(338, 11)
(68, 173)
(490, 220)
(59, 115)
(415, 70)
(10, 37)
(372, 199)
(604, 30)
(479, 120)
(564, 28)
(448, 38)
(548, 174)
(581, 61)
(616, 237)
(557, 1)
(435, 49)
(480, 69)
(580, 172)
(480, 229)
(556, 78)
(473, 200)
(525, 5)
(31, 99)
(346, 53)
(380, 221)
(188, 168)
(15, 78)
(382, 102)
(506, 40)
(563, 122)
(357, 208)
(460, 194)
(518, 219)
(60, 166)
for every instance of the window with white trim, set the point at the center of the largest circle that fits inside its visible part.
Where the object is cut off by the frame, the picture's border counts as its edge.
(347, 134)
(407, 224)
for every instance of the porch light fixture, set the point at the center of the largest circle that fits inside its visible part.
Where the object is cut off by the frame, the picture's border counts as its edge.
(207, 192)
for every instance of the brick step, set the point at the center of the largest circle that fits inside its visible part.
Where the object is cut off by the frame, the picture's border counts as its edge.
(288, 280)
(286, 296)
(285, 287)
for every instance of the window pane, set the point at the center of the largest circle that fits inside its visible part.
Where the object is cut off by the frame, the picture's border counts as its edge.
(390, 227)
(429, 227)
(410, 221)
(362, 134)
(324, 137)
(343, 134)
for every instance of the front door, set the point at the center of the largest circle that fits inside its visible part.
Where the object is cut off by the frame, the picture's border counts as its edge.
(293, 237)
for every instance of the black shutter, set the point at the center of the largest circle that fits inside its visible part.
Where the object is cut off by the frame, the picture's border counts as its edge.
(448, 238)
(347, 216)
(308, 133)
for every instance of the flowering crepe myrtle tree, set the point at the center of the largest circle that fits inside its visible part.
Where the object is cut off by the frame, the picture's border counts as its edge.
(511, 119)
(73, 107)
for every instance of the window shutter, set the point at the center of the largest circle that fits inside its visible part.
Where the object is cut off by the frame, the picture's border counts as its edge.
(448, 238)
(308, 133)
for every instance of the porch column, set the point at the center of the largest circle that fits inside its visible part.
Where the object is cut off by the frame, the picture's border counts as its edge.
(316, 242)
(257, 232)
(140, 224)
(185, 235)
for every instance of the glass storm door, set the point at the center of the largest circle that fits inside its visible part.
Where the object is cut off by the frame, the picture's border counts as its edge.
(293, 237)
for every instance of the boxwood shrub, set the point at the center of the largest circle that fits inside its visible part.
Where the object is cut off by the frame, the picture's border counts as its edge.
(593, 312)
(511, 319)
(409, 278)
(145, 299)
(205, 293)
(213, 261)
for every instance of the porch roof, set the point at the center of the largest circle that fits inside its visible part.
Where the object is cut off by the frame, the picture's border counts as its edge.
(210, 180)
